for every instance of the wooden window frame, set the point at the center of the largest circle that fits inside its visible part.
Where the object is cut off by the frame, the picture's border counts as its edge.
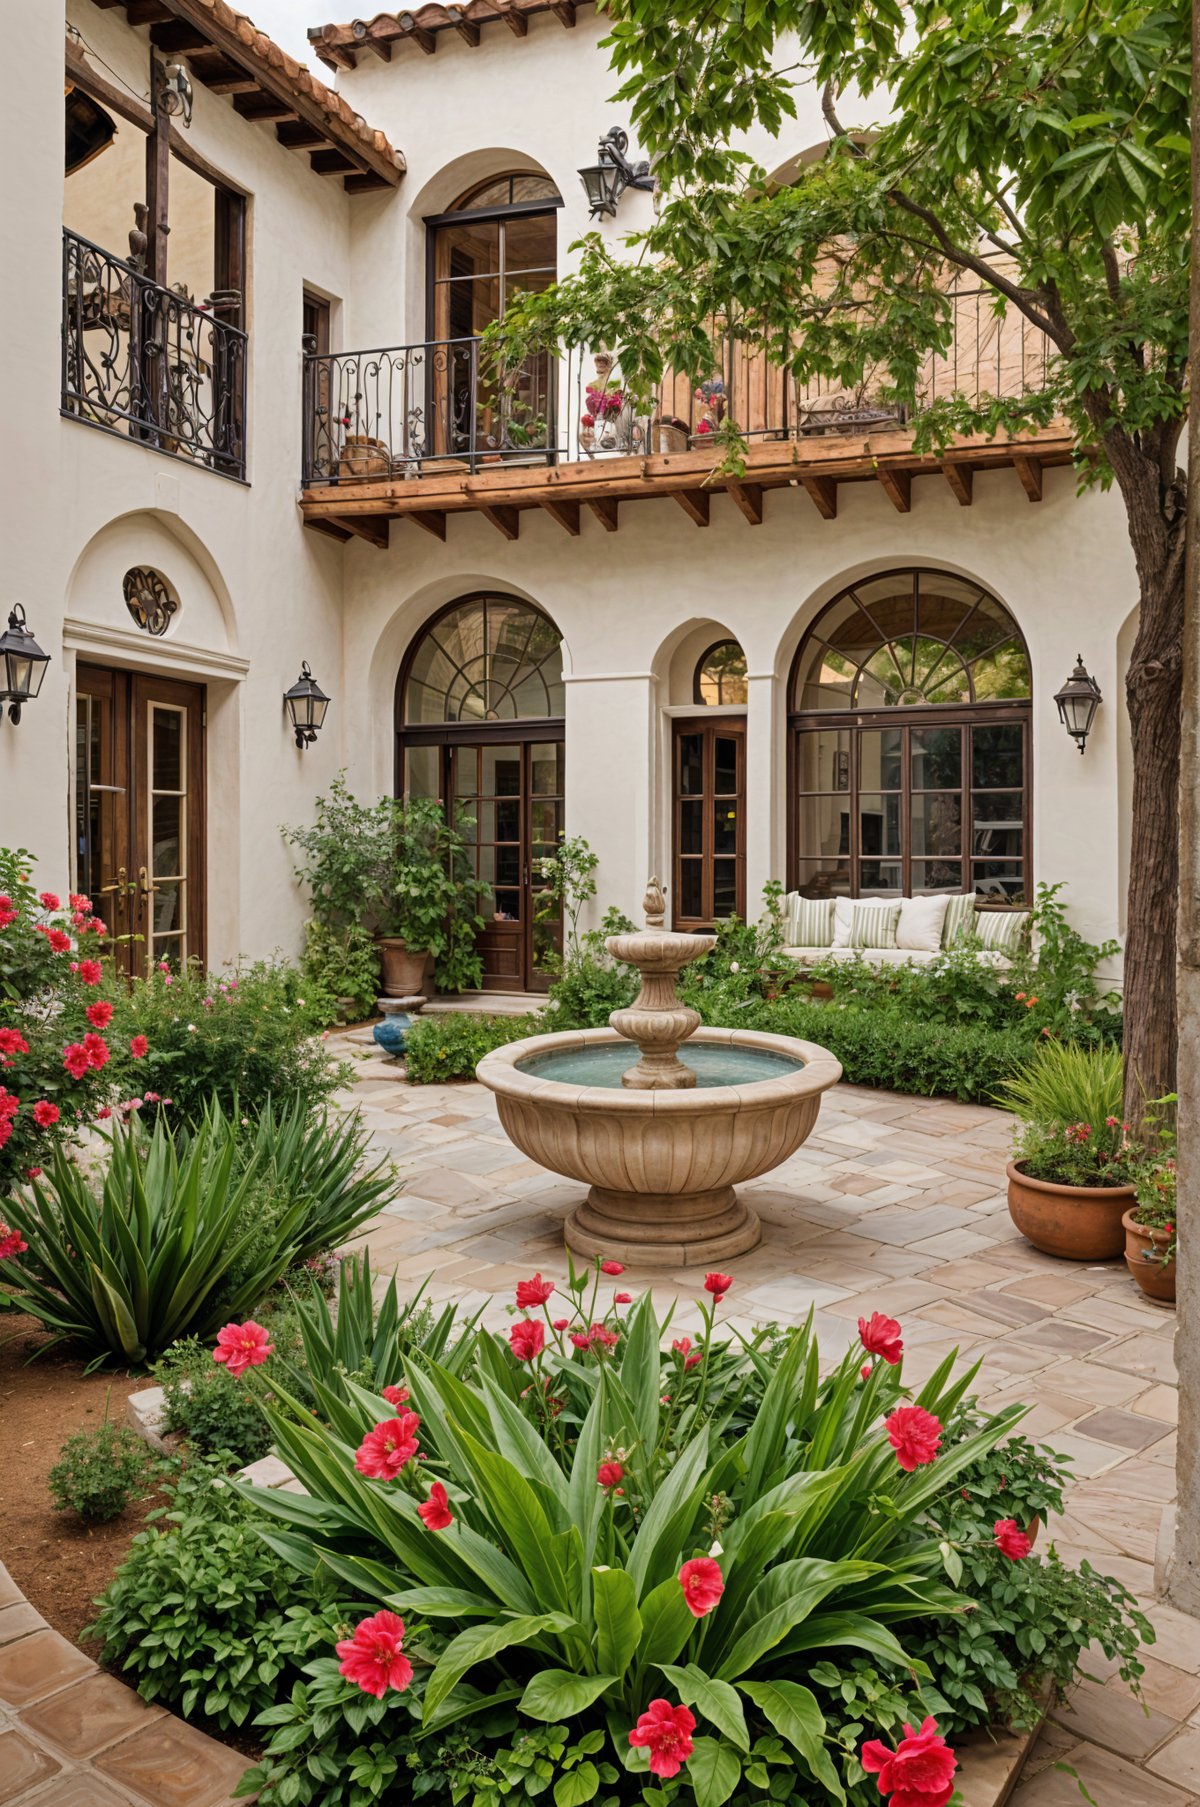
(709, 726)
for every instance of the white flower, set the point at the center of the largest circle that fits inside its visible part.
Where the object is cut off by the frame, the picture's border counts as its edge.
(716, 1550)
(191, 1028)
(734, 967)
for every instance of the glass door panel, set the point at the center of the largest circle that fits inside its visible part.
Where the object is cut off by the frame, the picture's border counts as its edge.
(709, 827)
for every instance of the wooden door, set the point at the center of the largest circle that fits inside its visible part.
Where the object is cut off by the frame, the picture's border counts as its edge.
(140, 813)
(708, 808)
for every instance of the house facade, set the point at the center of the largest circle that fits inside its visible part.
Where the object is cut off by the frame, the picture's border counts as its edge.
(257, 433)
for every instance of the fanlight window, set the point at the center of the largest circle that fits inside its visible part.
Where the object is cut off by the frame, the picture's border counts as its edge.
(492, 659)
(507, 191)
(912, 638)
(721, 675)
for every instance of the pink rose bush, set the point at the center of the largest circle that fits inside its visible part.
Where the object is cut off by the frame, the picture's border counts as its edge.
(918, 1773)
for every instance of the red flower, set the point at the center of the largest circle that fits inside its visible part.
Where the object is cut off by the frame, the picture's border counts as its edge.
(96, 1049)
(610, 1475)
(59, 941)
(864, 1373)
(666, 1732)
(13, 1042)
(242, 1346)
(560, 1324)
(104, 1112)
(600, 1333)
(75, 1060)
(394, 1395)
(702, 1583)
(139, 1047)
(580, 1340)
(11, 1242)
(622, 1298)
(681, 1345)
(33, 1173)
(612, 1267)
(1011, 1541)
(718, 1284)
(91, 972)
(78, 901)
(533, 1292)
(918, 1773)
(385, 1449)
(697, 1355)
(99, 1014)
(45, 1113)
(880, 1335)
(372, 1657)
(527, 1339)
(914, 1434)
(435, 1514)
(48, 900)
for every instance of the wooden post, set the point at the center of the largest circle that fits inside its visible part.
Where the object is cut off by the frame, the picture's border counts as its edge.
(1183, 1575)
(158, 177)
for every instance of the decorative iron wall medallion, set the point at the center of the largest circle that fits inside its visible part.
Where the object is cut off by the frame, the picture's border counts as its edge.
(148, 599)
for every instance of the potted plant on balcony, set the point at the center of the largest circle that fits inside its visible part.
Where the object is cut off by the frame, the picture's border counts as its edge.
(1070, 1181)
(1151, 1225)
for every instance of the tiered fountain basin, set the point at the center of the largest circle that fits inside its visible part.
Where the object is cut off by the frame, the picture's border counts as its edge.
(661, 1163)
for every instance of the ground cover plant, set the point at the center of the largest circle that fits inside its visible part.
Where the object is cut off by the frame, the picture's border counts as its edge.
(451, 1045)
(98, 1472)
(627, 1565)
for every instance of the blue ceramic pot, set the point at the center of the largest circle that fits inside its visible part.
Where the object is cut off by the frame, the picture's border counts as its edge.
(392, 1033)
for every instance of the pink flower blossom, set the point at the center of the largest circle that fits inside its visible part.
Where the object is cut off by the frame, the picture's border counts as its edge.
(91, 972)
(718, 1284)
(11, 1242)
(99, 1014)
(139, 1047)
(666, 1732)
(384, 1451)
(394, 1395)
(880, 1335)
(533, 1292)
(372, 1658)
(702, 1583)
(609, 1475)
(435, 1513)
(48, 900)
(75, 1060)
(526, 1339)
(96, 1049)
(45, 1114)
(612, 1267)
(13, 1042)
(918, 1773)
(1011, 1541)
(241, 1346)
(914, 1434)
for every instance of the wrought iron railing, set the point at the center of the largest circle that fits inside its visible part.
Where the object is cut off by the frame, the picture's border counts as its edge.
(150, 364)
(435, 408)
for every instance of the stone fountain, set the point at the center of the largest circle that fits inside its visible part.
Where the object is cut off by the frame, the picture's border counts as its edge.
(663, 1142)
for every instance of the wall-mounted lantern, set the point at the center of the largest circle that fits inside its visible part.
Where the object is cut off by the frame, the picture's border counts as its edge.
(306, 704)
(1077, 702)
(22, 665)
(175, 92)
(607, 179)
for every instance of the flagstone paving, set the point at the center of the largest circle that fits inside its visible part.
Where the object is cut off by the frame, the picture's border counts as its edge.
(894, 1204)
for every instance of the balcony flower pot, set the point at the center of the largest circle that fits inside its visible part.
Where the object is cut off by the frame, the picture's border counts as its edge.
(362, 456)
(1144, 1246)
(1078, 1223)
(669, 436)
(403, 972)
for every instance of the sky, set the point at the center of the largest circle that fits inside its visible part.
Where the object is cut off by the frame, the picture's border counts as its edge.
(287, 21)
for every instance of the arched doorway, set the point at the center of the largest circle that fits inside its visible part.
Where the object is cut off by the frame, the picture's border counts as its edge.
(499, 239)
(909, 732)
(708, 791)
(479, 722)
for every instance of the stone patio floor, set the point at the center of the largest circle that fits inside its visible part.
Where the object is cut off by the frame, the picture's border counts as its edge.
(894, 1204)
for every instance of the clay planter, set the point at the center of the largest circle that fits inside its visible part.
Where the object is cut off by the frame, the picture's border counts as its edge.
(363, 456)
(1080, 1223)
(1156, 1278)
(403, 974)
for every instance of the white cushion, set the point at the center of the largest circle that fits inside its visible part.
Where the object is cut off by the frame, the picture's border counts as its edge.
(921, 923)
(960, 917)
(809, 920)
(885, 956)
(843, 916)
(1001, 930)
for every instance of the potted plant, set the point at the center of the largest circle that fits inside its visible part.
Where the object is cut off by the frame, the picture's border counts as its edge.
(1070, 1181)
(1151, 1233)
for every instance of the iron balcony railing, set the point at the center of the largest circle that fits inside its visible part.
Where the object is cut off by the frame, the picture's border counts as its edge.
(434, 408)
(149, 364)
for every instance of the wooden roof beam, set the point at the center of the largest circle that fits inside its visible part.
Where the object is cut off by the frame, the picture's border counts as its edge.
(225, 79)
(468, 31)
(264, 106)
(300, 137)
(749, 498)
(823, 491)
(516, 21)
(372, 528)
(148, 12)
(332, 163)
(605, 511)
(176, 35)
(566, 514)
(564, 12)
(1029, 470)
(897, 487)
(505, 520)
(433, 520)
(961, 479)
(694, 503)
(364, 184)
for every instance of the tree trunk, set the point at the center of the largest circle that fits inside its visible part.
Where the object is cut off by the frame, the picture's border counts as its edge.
(1156, 514)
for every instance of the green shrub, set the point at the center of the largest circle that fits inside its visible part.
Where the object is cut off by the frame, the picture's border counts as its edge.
(368, 1341)
(450, 1044)
(337, 965)
(98, 1472)
(217, 1414)
(150, 1246)
(1063, 1084)
(236, 1039)
(324, 1163)
(202, 1615)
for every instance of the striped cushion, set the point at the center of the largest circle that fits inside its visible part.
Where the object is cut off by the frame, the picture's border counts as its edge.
(1001, 930)
(960, 916)
(810, 921)
(873, 925)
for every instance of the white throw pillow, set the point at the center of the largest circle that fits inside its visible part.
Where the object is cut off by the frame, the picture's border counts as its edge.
(809, 921)
(921, 922)
(843, 916)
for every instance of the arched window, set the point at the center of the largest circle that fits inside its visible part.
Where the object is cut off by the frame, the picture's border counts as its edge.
(720, 675)
(479, 721)
(910, 728)
(508, 191)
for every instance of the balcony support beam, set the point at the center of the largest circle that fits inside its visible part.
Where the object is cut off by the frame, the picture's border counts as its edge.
(823, 491)
(1029, 470)
(961, 479)
(433, 520)
(606, 513)
(897, 487)
(505, 520)
(695, 504)
(749, 498)
(565, 513)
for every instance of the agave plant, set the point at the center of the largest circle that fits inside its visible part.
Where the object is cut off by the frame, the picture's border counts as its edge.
(365, 1340)
(147, 1256)
(321, 1161)
(591, 1552)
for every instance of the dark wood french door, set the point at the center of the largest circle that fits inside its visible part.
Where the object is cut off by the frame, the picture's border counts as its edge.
(511, 789)
(140, 813)
(709, 816)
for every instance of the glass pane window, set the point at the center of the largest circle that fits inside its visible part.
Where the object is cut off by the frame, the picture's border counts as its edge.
(721, 675)
(490, 659)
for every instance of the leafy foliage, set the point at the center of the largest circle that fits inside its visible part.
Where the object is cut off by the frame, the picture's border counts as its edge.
(340, 966)
(370, 1342)
(451, 1045)
(216, 1413)
(1063, 1085)
(98, 1472)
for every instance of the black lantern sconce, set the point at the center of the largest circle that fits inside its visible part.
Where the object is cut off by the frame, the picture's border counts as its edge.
(306, 704)
(174, 93)
(1077, 702)
(22, 665)
(607, 179)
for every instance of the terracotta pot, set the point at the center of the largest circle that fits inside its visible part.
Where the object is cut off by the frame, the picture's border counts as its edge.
(1080, 1223)
(403, 973)
(364, 457)
(1156, 1278)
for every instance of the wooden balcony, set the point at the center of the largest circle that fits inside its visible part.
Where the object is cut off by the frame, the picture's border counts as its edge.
(424, 432)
